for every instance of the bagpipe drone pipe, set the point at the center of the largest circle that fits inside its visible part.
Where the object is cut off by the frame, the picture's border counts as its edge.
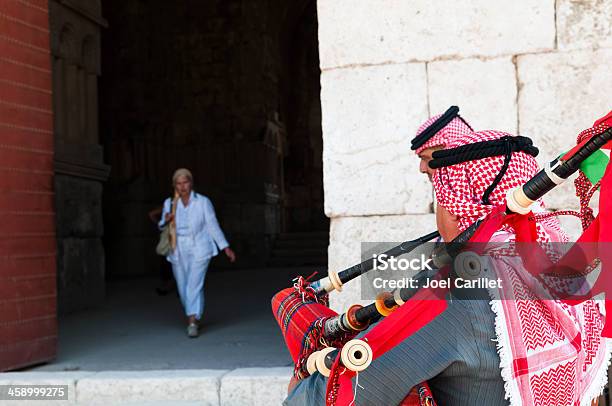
(334, 281)
(321, 340)
(307, 324)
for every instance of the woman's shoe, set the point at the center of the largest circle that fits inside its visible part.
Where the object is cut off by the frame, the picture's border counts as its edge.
(192, 330)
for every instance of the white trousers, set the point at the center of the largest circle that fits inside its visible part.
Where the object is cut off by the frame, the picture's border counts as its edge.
(189, 274)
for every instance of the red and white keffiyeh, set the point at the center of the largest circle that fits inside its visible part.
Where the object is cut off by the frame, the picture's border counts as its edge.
(459, 188)
(551, 353)
(457, 129)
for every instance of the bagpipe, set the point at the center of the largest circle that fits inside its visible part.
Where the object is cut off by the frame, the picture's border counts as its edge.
(334, 281)
(306, 321)
(314, 333)
(321, 340)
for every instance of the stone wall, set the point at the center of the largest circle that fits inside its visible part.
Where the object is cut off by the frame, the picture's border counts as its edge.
(534, 67)
(78, 160)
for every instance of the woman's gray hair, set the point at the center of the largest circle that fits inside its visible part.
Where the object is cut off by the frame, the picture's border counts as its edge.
(182, 172)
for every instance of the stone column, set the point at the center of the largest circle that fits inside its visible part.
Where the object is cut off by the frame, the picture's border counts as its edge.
(79, 167)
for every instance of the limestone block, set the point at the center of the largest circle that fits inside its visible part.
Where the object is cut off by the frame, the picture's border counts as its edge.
(584, 24)
(347, 234)
(561, 94)
(43, 378)
(376, 31)
(255, 386)
(484, 90)
(369, 117)
(123, 387)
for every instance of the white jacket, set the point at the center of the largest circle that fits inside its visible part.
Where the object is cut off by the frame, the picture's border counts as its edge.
(204, 227)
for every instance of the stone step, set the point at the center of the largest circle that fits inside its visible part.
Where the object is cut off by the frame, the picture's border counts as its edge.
(162, 403)
(240, 387)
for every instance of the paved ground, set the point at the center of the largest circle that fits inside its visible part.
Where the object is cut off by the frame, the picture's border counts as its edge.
(138, 330)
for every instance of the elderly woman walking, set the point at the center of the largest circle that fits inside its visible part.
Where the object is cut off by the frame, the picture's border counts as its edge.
(198, 239)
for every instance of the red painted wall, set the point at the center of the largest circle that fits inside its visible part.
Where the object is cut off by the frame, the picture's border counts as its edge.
(28, 324)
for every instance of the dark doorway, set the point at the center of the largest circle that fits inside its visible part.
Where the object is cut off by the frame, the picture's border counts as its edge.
(227, 88)
(301, 88)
